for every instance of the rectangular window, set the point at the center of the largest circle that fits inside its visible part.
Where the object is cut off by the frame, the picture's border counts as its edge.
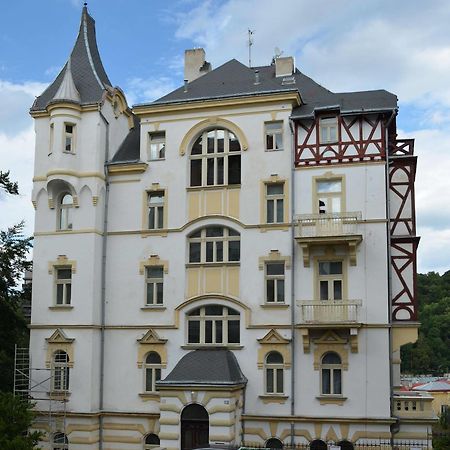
(69, 129)
(330, 280)
(274, 135)
(329, 196)
(63, 286)
(156, 145)
(156, 210)
(328, 130)
(154, 281)
(275, 202)
(275, 282)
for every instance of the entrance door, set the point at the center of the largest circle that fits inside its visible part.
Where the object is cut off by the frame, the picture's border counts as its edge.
(194, 427)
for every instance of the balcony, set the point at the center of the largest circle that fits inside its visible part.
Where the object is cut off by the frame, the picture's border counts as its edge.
(325, 229)
(412, 405)
(326, 312)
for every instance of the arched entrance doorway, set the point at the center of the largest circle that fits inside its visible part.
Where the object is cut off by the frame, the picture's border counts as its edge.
(194, 427)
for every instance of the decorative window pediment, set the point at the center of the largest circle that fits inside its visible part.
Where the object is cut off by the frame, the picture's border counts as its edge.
(330, 341)
(152, 342)
(273, 341)
(59, 341)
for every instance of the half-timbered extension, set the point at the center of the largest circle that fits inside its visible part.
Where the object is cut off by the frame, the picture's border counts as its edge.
(232, 264)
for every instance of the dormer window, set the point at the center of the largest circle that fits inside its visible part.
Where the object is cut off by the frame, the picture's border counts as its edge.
(328, 130)
(69, 140)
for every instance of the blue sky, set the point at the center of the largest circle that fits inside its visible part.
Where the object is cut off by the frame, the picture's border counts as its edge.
(346, 45)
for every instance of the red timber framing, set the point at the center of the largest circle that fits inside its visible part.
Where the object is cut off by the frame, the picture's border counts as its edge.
(360, 138)
(404, 242)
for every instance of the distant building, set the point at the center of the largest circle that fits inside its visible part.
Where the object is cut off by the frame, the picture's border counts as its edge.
(233, 263)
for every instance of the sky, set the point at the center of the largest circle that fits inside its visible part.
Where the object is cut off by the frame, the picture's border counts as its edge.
(402, 46)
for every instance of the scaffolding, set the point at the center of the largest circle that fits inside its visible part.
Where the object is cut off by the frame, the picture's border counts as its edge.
(43, 386)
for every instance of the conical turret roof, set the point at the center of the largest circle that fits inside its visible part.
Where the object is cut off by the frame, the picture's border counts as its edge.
(83, 71)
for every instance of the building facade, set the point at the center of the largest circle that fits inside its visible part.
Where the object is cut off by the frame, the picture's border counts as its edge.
(233, 263)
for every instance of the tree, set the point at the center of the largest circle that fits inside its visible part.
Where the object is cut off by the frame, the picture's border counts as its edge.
(16, 416)
(14, 249)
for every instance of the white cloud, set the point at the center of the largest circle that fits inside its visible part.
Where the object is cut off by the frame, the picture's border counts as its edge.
(140, 90)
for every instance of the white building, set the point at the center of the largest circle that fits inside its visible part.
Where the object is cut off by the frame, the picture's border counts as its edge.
(232, 263)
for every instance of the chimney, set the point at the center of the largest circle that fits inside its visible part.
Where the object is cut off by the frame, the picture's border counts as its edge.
(194, 64)
(284, 67)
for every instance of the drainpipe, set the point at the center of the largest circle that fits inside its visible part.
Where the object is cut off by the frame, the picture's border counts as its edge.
(103, 280)
(293, 137)
(389, 267)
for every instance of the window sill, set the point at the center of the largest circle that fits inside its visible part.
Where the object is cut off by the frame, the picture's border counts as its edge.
(274, 149)
(157, 159)
(274, 398)
(213, 188)
(69, 153)
(214, 264)
(155, 232)
(200, 346)
(149, 396)
(153, 308)
(60, 307)
(275, 305)
(284, 226)
(66, 230)
(59, 395)
(331, 399)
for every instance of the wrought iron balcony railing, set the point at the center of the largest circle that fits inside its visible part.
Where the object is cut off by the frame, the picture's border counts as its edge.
(327, 225)
(329, 311)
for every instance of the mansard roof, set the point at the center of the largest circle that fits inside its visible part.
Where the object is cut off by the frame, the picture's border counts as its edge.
(216, 367)
(83, 73)
(234, 79)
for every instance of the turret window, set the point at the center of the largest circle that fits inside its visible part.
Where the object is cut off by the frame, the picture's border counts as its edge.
(216, 159)
(69, 139)
(65, 211)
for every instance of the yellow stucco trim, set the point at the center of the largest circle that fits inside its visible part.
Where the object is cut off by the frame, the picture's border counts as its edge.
(151, 342)
(330, 342)
(274, 256)
(127, 169)
(62, 261)
(212, 122)
(403, 335)
(71, 173)
(325, 400)
(292, 97)
(152, 261)
(59, 341)
(281, 399)
(273, 341)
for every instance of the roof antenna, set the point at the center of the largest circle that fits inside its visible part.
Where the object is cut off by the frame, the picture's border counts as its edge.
(250, 43)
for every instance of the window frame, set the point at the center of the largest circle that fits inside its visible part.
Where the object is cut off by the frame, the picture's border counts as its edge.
(159, 222)
(276, 369)
(156, 144)
(276, 199)
(59, 445)
(65, 212)
(153, 369)
(205, 156)
(330, 279)
(272, 134)
(71, 136)
(332, 368)
(152, 283)
(203, 318)
(326, 124)
(62, 368)
(275, 278)
(64, 282)
(225, 239)
(327, 197)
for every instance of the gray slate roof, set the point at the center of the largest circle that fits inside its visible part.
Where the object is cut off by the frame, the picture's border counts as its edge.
(86, 66)
(129, 149)
(214, 367)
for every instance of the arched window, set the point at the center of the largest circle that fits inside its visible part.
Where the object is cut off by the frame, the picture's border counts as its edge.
(273, 443)
(331, 374)
(274, 373)
(152, 371)
(318, 445)
(213, 324)
(60, 371)
(346, 445)
(151, 441)
(60, 442)
(216, 159)
(65, 209)
(214, 244)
